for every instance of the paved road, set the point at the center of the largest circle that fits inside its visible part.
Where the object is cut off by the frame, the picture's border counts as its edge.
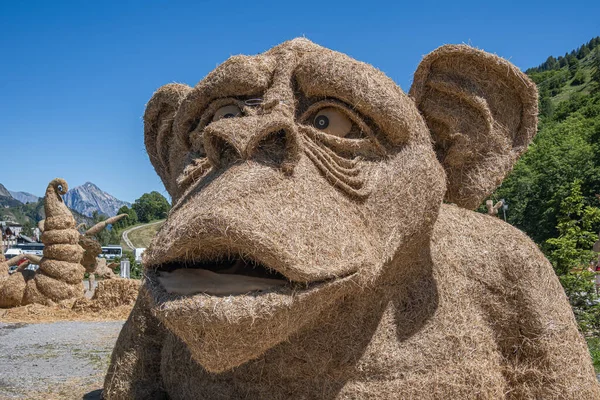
(55, 360)
(128, 231)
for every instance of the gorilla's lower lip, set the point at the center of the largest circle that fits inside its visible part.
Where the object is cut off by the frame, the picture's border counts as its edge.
(227, 277)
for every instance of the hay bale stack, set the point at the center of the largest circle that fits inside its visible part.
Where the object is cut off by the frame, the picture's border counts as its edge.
(92, 249)
(110, 294)
(60, 273)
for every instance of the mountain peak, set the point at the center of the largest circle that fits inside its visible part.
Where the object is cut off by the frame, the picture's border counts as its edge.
(88, 198)
(4, 192)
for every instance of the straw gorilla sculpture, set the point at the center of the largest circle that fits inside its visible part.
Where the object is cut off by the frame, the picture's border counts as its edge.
(308, 253)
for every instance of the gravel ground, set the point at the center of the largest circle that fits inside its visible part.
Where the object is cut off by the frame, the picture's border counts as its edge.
(60, 360)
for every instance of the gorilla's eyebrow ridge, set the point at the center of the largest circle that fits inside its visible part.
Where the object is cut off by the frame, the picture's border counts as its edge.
(361, 86)
(238, 76)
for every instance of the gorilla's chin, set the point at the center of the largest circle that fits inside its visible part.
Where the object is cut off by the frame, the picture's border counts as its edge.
(225, 331)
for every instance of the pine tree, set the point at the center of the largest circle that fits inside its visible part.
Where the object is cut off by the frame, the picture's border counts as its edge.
(583, 51)
(562, 61)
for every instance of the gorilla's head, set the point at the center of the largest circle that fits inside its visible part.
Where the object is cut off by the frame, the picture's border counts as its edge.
(299, 174)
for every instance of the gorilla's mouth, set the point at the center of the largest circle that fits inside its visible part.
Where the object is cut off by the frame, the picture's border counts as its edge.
(232, 276)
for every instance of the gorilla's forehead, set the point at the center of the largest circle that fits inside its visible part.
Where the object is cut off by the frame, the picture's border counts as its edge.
(316, 72)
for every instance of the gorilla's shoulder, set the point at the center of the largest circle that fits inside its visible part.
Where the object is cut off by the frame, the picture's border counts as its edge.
(485, 248)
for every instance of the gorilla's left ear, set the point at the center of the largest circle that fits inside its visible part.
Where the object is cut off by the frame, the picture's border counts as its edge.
(159, 137)
(482, 113)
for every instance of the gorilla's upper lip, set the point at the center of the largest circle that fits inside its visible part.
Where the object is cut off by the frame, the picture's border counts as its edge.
(236, 265)
(246, 241)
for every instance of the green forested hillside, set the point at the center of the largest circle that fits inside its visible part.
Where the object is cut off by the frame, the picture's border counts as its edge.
(551, 193)
(31, 213)
(565, 150)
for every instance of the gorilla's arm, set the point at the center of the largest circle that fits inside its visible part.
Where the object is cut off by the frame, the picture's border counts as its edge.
(542, 347)
(522, 301)
(134, 371)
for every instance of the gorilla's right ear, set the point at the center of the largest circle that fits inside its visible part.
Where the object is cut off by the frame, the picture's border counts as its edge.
(481, 112)
(158, 131)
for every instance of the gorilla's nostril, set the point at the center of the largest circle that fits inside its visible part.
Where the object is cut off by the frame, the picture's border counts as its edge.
(223, 152)
(273, 148)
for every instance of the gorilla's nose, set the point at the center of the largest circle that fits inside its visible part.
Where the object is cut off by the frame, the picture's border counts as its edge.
(266, 139)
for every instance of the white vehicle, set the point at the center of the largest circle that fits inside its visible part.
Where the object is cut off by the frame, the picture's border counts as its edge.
(110, 252)
(10, 253)
(32, 248)
(138, 252)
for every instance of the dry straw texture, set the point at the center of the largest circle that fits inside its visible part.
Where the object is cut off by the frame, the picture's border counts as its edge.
(67, 255)
(109, 294)
(60, 274)
(103, 270)
(390, 294)
(38, 313)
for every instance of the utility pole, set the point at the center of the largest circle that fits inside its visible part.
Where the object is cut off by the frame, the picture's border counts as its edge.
(504, 208)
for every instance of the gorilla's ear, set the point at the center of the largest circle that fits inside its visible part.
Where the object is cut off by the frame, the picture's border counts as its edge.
(482, 113)
(158, 131)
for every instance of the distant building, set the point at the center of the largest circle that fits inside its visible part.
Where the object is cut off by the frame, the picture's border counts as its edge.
(10, 232)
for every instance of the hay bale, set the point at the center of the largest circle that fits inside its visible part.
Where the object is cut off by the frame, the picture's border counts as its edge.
(388, 293)
(12, 288)
(110, 294)
(37, 313)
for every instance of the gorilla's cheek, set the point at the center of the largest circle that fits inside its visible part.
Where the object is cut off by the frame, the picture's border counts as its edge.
(408, 192)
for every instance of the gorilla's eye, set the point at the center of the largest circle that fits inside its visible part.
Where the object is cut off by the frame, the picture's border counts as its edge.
(229, 111)
(332, 121)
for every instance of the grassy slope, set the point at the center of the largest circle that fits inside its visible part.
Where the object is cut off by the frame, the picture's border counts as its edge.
(568, 90)
(543, 79)
(143, 236)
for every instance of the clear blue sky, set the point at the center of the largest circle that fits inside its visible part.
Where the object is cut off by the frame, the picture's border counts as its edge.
(75, 76)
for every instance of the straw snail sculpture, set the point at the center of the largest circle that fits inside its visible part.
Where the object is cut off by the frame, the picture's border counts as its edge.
(60, 274)
(309, 254)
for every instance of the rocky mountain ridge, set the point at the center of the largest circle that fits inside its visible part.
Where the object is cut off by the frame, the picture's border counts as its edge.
(88, 198)
(85, 199)
(24, 197)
